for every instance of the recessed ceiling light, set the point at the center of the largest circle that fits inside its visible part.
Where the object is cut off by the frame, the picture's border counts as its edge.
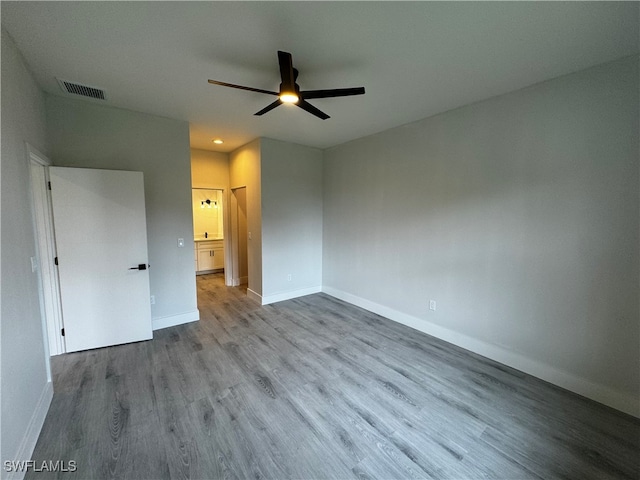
(217, 141)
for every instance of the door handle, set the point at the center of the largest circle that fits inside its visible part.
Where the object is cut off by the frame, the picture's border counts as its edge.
(141, 266)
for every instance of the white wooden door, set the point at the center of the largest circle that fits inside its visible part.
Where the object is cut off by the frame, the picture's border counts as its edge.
(101, 236)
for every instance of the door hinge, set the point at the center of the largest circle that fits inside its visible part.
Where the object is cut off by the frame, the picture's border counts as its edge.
(49, 185)
(62, 332)
(55, 260)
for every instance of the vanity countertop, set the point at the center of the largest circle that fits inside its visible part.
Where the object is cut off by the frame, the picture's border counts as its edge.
(202, 239)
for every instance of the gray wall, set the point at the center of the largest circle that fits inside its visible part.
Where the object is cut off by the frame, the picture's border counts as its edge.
(244, 171)
(24, 358)
(284, 216)
(519, 215)
(85, 134)
(291, 219)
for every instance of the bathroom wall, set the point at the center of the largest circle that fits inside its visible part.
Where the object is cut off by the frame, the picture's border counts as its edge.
(208, 218)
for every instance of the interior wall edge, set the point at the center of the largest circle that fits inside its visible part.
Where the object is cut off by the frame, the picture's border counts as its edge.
(26, 390)
(32, 432)
(624, 402)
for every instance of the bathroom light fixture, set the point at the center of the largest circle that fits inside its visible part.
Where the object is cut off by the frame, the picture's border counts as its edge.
(217, 141)
(208, 203)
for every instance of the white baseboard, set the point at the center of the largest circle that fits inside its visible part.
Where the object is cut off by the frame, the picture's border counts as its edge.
(280, 297)
(622, 401)
(254, 296)
(173, 320)
(28, 443)
(236, 282)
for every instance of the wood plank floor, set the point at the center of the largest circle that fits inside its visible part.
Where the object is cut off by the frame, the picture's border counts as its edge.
(314, 388)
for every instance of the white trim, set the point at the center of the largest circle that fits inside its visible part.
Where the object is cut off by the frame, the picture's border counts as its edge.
(280, 297)
(232, 240)
(254, 296)
(30, 438)
(619, 400)
(226, 229)
(208, 272)
(48, 283)
(173, 320)
(37, 156)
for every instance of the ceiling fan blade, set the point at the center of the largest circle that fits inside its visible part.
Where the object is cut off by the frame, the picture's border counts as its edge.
(311, 109)
(269, 107)
(224, 84)
(336, 92)
(286, 71)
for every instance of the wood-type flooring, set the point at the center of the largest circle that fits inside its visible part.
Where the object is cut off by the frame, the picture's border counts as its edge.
(314, 388)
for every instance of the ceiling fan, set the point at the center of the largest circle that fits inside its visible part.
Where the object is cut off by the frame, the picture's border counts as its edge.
(290, 91)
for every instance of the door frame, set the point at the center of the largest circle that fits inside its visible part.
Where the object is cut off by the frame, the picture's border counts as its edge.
(235, 235)
(233, 230)
(48, 281)
(226, 229)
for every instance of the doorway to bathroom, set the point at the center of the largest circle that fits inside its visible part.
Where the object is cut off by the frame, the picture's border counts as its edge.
(208, 207)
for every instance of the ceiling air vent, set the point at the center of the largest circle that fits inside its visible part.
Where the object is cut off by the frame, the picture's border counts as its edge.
(82, 90)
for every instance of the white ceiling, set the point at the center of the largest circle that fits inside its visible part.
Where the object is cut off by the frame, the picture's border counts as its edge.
(415, 59)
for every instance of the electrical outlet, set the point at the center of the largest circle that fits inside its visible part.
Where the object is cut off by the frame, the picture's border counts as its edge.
(180, 242)
(432, 305)
(289, 278)
(153, 299)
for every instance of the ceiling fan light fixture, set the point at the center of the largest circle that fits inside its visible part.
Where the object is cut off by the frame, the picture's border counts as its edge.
(288, 97)
(289, 91)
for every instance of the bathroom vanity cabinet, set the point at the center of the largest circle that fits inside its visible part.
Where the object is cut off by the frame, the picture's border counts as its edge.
(209, 255)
